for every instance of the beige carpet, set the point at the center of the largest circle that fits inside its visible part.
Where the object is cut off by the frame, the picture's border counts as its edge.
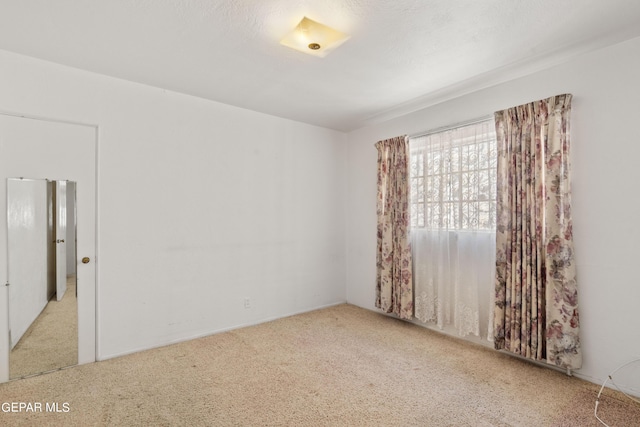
(341, 366)
(51, 342)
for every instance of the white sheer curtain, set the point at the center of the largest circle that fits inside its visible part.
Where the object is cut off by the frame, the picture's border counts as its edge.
(453, 278)
(453, 227)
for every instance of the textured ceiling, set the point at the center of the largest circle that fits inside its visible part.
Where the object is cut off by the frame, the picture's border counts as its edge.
(402, 54)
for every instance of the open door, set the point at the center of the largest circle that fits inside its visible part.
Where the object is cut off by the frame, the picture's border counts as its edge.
(60, 203)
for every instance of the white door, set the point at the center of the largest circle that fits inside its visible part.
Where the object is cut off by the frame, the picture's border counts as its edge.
(61, 238)
(27, 225)
(37, 148)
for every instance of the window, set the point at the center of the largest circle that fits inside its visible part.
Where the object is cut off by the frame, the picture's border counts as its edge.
(453, 217)
(453, 178)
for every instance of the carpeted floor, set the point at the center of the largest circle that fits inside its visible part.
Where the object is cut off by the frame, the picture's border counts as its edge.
(340, 366)
(51, 342)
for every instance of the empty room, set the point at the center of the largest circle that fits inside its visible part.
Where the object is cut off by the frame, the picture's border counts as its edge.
(319, 213)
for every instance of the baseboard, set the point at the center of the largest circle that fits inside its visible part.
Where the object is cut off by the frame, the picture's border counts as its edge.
(217, 331)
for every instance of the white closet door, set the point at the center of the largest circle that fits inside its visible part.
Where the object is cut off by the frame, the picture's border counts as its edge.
(27, 223)
(42, 148)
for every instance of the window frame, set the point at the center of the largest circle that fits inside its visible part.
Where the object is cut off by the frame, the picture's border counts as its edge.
(420, 178)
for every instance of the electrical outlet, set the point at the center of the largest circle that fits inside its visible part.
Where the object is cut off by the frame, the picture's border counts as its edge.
(247, 303)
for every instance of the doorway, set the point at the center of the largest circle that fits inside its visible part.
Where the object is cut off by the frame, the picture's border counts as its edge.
(42, 149)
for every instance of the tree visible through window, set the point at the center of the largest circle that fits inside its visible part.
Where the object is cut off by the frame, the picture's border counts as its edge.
(453, 178)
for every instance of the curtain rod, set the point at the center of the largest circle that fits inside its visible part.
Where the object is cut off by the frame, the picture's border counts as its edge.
(451, 127)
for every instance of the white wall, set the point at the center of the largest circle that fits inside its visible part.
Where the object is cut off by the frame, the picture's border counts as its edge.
(606, 173)
(200, 206)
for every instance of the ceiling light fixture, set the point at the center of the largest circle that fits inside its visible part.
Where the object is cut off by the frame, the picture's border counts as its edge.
(314, 38)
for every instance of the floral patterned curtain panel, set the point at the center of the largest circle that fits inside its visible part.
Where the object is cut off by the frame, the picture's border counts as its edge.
(536, 306)
(394, 284)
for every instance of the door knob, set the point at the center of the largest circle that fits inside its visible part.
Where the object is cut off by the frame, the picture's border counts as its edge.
(86, 260)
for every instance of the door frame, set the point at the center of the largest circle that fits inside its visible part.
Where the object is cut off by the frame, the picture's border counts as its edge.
(60, 227)
(88, 306)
